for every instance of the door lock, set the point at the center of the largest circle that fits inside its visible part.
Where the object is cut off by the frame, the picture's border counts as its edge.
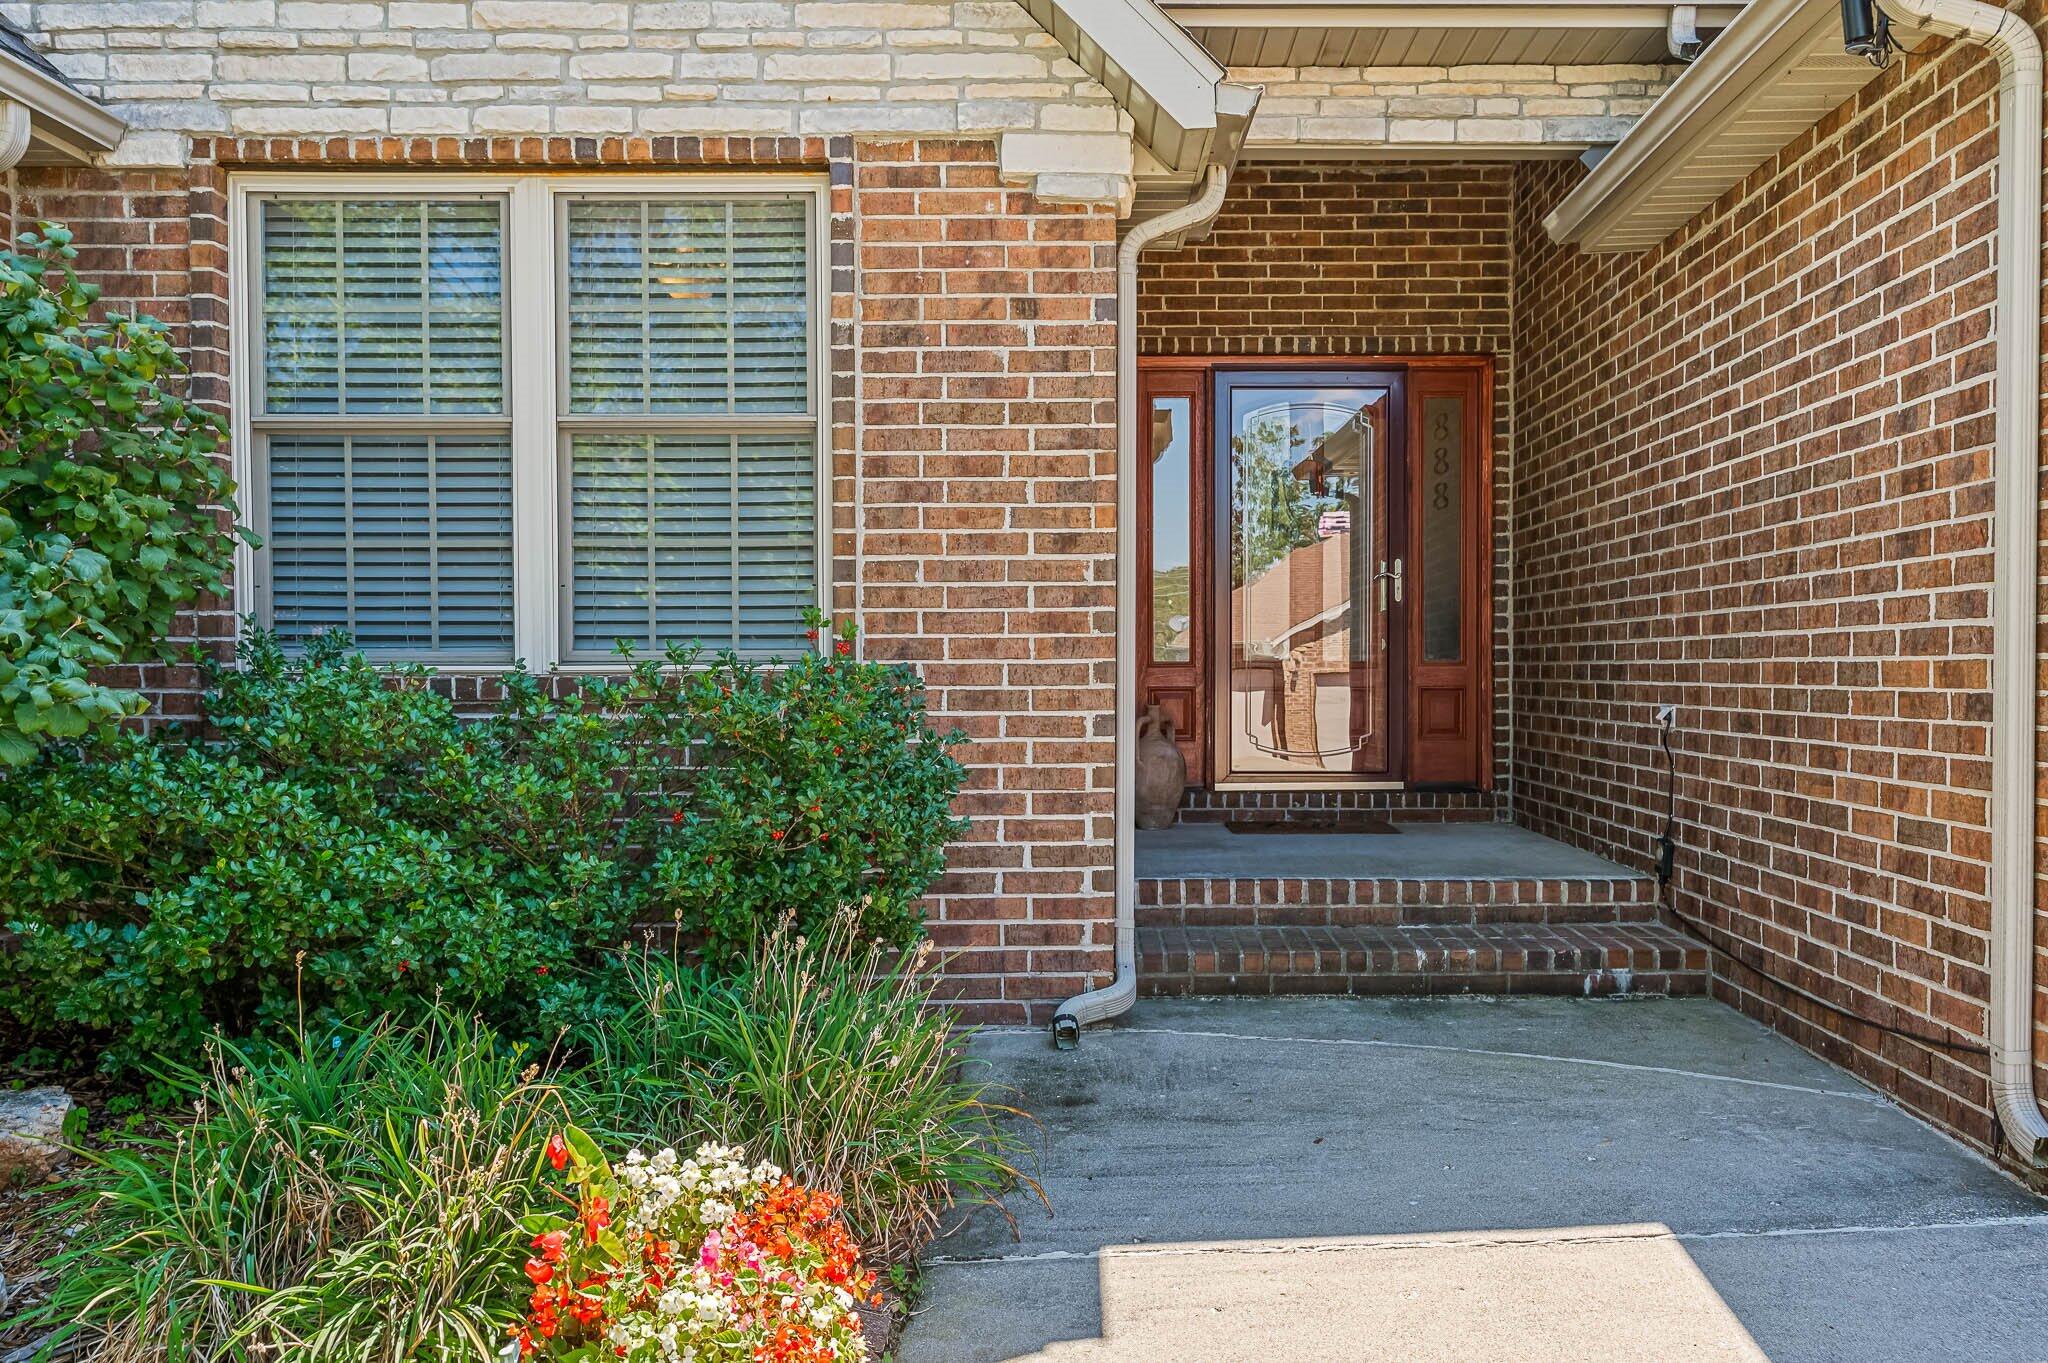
(1394, 575)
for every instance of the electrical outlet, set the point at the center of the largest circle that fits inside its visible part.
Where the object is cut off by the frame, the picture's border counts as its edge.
(1667, 715)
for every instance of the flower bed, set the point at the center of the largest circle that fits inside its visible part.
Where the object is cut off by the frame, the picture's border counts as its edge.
(666, 1259)
(423, 1191)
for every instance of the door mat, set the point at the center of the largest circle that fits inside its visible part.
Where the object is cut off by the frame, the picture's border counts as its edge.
(1341, 823)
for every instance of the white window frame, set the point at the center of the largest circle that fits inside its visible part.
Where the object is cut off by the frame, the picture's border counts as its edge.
(535, 341)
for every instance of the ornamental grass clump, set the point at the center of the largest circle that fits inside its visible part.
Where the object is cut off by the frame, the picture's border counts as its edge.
(357, 1198)
(708, 1259)
(827, 1055)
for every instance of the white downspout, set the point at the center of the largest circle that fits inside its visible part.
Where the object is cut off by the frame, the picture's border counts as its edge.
(2015, 555)
(14, 133)
(1100, 1005)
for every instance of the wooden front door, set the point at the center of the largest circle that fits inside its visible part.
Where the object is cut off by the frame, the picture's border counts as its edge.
(1313, 569)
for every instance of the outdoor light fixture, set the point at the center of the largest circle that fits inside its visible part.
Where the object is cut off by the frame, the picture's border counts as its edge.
(1866, 32)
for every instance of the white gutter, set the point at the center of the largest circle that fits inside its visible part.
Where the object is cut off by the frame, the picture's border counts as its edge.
(2015, 557)
(1116, 998)
(67, 114)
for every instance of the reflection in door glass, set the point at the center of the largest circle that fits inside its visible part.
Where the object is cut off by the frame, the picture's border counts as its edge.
(1307, 528)
(1172, 563)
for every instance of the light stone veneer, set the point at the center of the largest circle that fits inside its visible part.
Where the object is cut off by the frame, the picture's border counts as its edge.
(476, 68)
(1457, 106)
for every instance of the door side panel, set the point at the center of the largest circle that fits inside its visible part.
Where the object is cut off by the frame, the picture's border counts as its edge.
(1450, 576)
(1173, 564)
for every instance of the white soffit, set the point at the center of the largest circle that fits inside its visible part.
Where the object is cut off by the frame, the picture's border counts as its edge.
(1181, 107)
(1774, 73)
(1270, 33)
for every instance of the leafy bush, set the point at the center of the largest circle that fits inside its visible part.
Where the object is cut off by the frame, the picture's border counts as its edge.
(819, 788)
(114, 511)
(358, 1199)
(824, 1055)
(346, 840)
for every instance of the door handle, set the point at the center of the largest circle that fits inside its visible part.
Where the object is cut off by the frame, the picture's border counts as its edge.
(1395, 575)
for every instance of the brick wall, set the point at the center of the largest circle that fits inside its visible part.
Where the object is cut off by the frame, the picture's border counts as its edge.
(1753, 480)
(986, 352)
(1342, 258)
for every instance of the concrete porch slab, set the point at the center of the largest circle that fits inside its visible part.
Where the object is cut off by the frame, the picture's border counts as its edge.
(1528, 1179)
(1432, 851)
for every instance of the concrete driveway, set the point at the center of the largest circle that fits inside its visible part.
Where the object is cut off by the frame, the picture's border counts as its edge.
(1478, 1180)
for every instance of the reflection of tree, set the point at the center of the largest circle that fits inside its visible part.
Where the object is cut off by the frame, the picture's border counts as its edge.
(1269, 516)
(1171, 605)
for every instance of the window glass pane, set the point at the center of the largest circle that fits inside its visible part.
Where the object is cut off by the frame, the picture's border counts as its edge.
(1172, 607)
(692, 538)
(405, 541)
(382, 306)
(688, 306)
(1443, 523)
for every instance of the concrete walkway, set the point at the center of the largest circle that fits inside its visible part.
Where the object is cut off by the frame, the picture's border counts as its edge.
(1486, 1181)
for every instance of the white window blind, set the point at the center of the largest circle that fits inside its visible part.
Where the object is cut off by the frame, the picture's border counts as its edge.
(666, 418)
(405, 541)
(387, 447)
(693, 305)
(685, 537)
(688, 428)
(382, 306)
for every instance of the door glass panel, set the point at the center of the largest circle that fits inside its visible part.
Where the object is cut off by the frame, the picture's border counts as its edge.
(1307, 525)
(1172, 561)
(1443, 522)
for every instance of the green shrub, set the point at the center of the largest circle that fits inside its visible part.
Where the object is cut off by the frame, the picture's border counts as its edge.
(114, 510)
(819, 788)
(355, 1197)
(824, 1055)
(345, 840)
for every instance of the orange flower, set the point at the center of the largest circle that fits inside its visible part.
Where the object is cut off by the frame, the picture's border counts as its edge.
(597, 1214)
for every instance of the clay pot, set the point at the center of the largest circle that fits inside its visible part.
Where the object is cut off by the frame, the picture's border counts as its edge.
(1162, 771)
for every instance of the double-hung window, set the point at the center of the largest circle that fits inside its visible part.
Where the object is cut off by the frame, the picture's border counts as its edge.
(531, 417)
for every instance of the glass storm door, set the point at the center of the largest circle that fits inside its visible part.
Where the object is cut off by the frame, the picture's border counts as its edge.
(1313, 568)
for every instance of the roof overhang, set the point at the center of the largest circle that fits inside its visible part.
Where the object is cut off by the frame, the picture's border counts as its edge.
(55, 124)
(1286, 33)
(1183, 109)
(1773, 73)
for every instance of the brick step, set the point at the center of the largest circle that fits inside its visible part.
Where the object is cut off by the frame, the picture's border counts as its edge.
(1433, 902)
(1577, 959)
